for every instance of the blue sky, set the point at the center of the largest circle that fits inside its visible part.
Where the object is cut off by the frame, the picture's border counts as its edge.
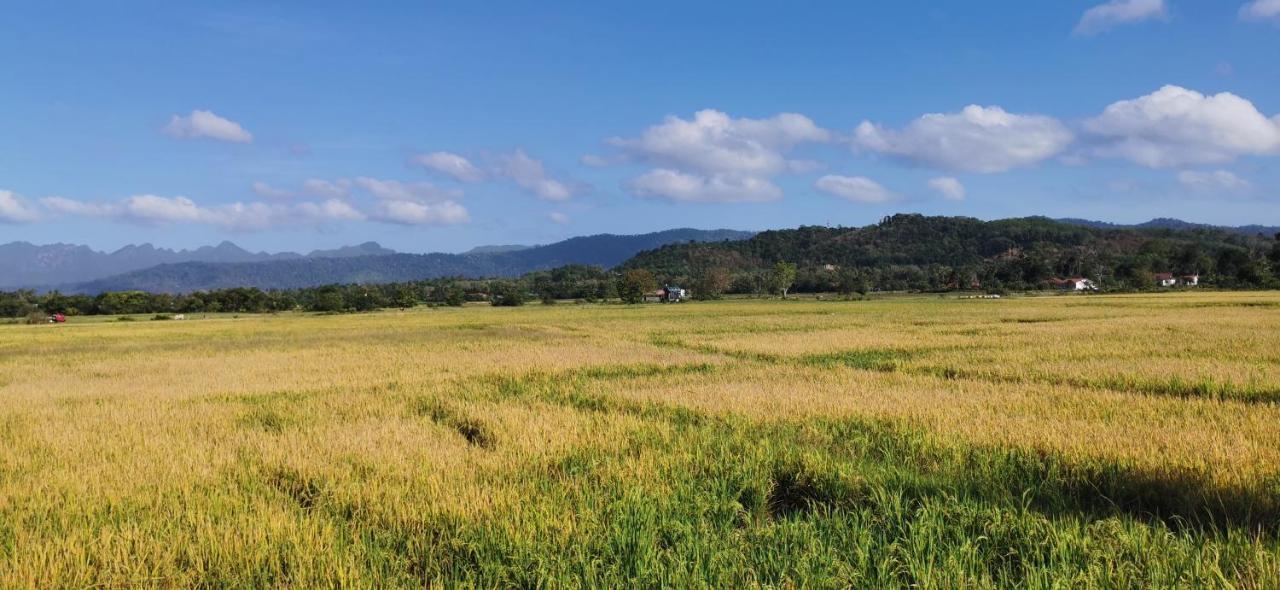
(432, 126)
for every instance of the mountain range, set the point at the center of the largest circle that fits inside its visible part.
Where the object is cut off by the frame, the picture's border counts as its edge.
(78, 269)
(23, 264)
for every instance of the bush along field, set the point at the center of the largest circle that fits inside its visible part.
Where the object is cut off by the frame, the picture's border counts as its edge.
(1050, 442)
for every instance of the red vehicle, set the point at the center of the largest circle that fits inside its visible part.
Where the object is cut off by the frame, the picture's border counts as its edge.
(57, 318)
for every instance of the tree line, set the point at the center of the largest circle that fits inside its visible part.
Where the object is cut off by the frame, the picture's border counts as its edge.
(902, 253)
(587, 284)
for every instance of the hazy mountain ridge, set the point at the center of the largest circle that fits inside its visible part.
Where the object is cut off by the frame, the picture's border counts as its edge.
(1175, 224)
(23, 264)
(606, 250)
(498, 249)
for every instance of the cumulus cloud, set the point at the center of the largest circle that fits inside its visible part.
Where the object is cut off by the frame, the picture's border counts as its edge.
(416, 213)
(715, 143)
(15, 209)
(718, 188)
(1216, 180)
(1104, 17)
(977, 139)
(530, 175)
(858, 189)
(1260, 10)
(206, 124)
(558, 217)
(709, 157)
(450, 164)
(1175, 126)
(416, 192)
(950, 188)
(263, 189)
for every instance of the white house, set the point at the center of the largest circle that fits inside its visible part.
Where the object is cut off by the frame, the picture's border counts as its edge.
(1166, 279)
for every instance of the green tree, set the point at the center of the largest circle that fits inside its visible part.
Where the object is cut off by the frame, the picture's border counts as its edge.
(454, 296)
(506, 294)
(327, 299)
(634, 284)
(783, 276)
(852, 281)
(606, 290)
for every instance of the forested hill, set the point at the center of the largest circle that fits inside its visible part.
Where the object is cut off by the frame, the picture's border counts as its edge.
(919, 252)
(603, 250)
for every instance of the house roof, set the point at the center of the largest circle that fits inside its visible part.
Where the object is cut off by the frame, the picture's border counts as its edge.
(1164, 276)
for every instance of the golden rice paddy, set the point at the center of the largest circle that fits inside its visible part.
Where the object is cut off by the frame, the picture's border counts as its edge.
(1100, 441)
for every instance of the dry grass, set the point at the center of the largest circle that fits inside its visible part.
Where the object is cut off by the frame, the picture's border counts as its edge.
(652, 445)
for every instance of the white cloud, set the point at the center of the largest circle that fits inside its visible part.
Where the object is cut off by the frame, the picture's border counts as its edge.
(529, 174)
(154, 209)
(1177, 127)
(416, 192)
(15, 209)
(263, 189)
(337, 189)
(719, 188)
(977, 139)
(414, 213)
(335, 209)
(715, 143)
(1216, 180)
(716, 158)
(558, 217)
(1260, 10)
(65, 206)
(415, 203)
(450, 164)
(858, 189)
(206, 124)
(1119, 12)
(950, 188)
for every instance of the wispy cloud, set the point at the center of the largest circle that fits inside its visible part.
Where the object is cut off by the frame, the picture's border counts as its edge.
(858, 189)
(15, 209)
(206, 124)
(1104, 17)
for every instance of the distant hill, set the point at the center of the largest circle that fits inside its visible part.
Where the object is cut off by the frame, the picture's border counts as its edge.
(365, 249)
(915, 252)
(1177, 224)
(604, 250)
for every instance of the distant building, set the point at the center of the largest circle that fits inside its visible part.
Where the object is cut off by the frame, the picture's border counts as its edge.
(1167, 279)
(1074, 284)
(670, 294)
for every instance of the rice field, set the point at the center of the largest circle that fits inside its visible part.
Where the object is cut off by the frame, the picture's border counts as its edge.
(1039, 442)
